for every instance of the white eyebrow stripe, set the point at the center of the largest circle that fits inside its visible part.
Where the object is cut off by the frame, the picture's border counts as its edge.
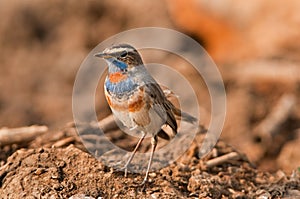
(116, 50)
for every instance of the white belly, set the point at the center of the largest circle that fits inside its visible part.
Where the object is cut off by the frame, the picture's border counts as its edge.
(148, 121)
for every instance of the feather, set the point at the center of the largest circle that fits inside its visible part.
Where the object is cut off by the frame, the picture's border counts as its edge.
(158, 98)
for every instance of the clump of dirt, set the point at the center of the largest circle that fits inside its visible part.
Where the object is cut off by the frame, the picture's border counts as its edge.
(65, 171)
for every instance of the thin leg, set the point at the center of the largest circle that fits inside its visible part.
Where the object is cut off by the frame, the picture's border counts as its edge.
(133, 153)
(153, 143)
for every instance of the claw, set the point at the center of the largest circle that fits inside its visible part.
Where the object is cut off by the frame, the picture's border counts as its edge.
(144, 181)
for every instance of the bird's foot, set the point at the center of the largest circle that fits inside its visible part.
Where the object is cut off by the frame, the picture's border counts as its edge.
(125, 172)
(144, 182)
(125, 169)
(145, 179)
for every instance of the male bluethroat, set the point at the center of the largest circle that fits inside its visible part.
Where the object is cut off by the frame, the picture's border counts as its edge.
(136, 99)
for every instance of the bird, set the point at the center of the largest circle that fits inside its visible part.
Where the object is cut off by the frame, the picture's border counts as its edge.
(137, 100)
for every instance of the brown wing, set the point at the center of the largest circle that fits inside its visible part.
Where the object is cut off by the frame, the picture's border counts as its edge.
(158, 98)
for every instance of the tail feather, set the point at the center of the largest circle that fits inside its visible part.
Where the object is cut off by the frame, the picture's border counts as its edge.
(188, 118)
(163, 134)
(184, 116)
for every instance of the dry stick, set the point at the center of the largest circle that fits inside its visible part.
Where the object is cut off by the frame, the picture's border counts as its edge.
(222, 159)
(20, 135)
(270, 125)
(108, 123)
(64, 142)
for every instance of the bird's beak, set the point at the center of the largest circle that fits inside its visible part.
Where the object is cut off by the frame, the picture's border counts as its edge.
(103, 55)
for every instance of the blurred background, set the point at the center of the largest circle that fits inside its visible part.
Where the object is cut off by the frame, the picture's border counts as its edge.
(256, 45)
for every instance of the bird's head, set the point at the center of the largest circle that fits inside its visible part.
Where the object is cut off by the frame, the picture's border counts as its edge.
(121, 57)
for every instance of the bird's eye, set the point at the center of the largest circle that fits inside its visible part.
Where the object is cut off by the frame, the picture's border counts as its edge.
(124, 54)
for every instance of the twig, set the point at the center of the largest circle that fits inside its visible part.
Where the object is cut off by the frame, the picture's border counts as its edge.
(222, 159)
(64, 142)
(270, 125)
(108, 123)
(20, 135)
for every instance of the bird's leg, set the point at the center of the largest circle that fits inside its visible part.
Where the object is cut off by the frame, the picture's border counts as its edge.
(153, 144)
(133, 153)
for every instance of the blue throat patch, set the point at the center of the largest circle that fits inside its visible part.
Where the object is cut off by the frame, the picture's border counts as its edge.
(115, 65)
(120, 88)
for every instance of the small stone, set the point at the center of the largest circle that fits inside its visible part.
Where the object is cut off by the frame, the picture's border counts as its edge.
(81, 196)
(41, 150)
(39, 171)
(155, 195)
(263, 194)
(152, 175)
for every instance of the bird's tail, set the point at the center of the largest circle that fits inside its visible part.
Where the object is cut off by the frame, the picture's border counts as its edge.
(184, 116)
(188, 118)
(178, 113)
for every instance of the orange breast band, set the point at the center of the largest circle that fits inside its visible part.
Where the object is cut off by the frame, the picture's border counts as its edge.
(116, 77)
(136, 105)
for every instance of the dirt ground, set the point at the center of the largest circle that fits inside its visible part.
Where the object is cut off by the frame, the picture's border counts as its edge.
(66, 170)
(255, 46)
